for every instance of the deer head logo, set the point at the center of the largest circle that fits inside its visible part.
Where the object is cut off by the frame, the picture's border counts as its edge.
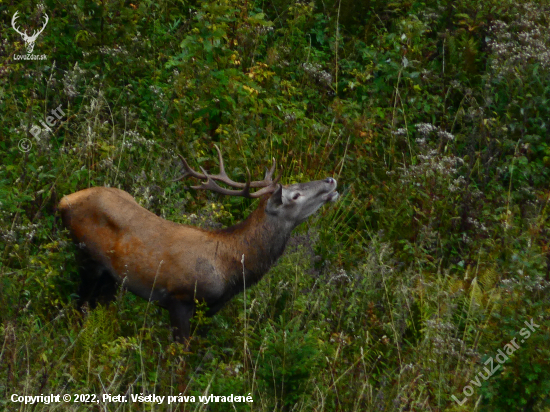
(29, 40)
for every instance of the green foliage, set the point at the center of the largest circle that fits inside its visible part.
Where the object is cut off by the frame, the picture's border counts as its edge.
(98, 330)
(290, 358)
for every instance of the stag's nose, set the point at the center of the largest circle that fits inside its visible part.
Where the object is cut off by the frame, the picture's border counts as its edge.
(330, 180)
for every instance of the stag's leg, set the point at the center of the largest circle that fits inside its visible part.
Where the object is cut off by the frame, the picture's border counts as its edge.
(96, 283)
(180, 316)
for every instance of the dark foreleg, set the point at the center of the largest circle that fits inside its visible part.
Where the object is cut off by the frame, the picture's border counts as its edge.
(180, 317)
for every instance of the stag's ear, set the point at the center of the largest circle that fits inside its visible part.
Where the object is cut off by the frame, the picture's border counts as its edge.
(275, 200)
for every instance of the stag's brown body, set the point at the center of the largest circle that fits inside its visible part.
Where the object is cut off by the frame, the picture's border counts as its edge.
(177, 265)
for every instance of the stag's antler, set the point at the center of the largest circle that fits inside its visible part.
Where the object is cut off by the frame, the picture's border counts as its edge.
(268, 184)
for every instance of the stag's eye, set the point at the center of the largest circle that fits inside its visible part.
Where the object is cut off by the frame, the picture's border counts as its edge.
(296, 196)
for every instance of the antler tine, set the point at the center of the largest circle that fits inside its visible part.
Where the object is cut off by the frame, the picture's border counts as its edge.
(268, 189)
(222, 176)
(268, 184)
(269, 173)
(213, 186)
(220, 157)
(187, 171)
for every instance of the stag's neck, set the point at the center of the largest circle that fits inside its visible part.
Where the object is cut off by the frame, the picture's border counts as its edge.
(261, 238)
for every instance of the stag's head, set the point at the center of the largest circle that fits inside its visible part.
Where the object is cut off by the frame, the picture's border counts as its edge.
(290, 204)
(299, 201)
(29, 40)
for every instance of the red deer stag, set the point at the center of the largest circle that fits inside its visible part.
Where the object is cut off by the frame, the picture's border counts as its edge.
(175, 264)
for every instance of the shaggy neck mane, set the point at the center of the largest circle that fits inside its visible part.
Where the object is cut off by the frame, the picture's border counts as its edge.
(260, 239)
